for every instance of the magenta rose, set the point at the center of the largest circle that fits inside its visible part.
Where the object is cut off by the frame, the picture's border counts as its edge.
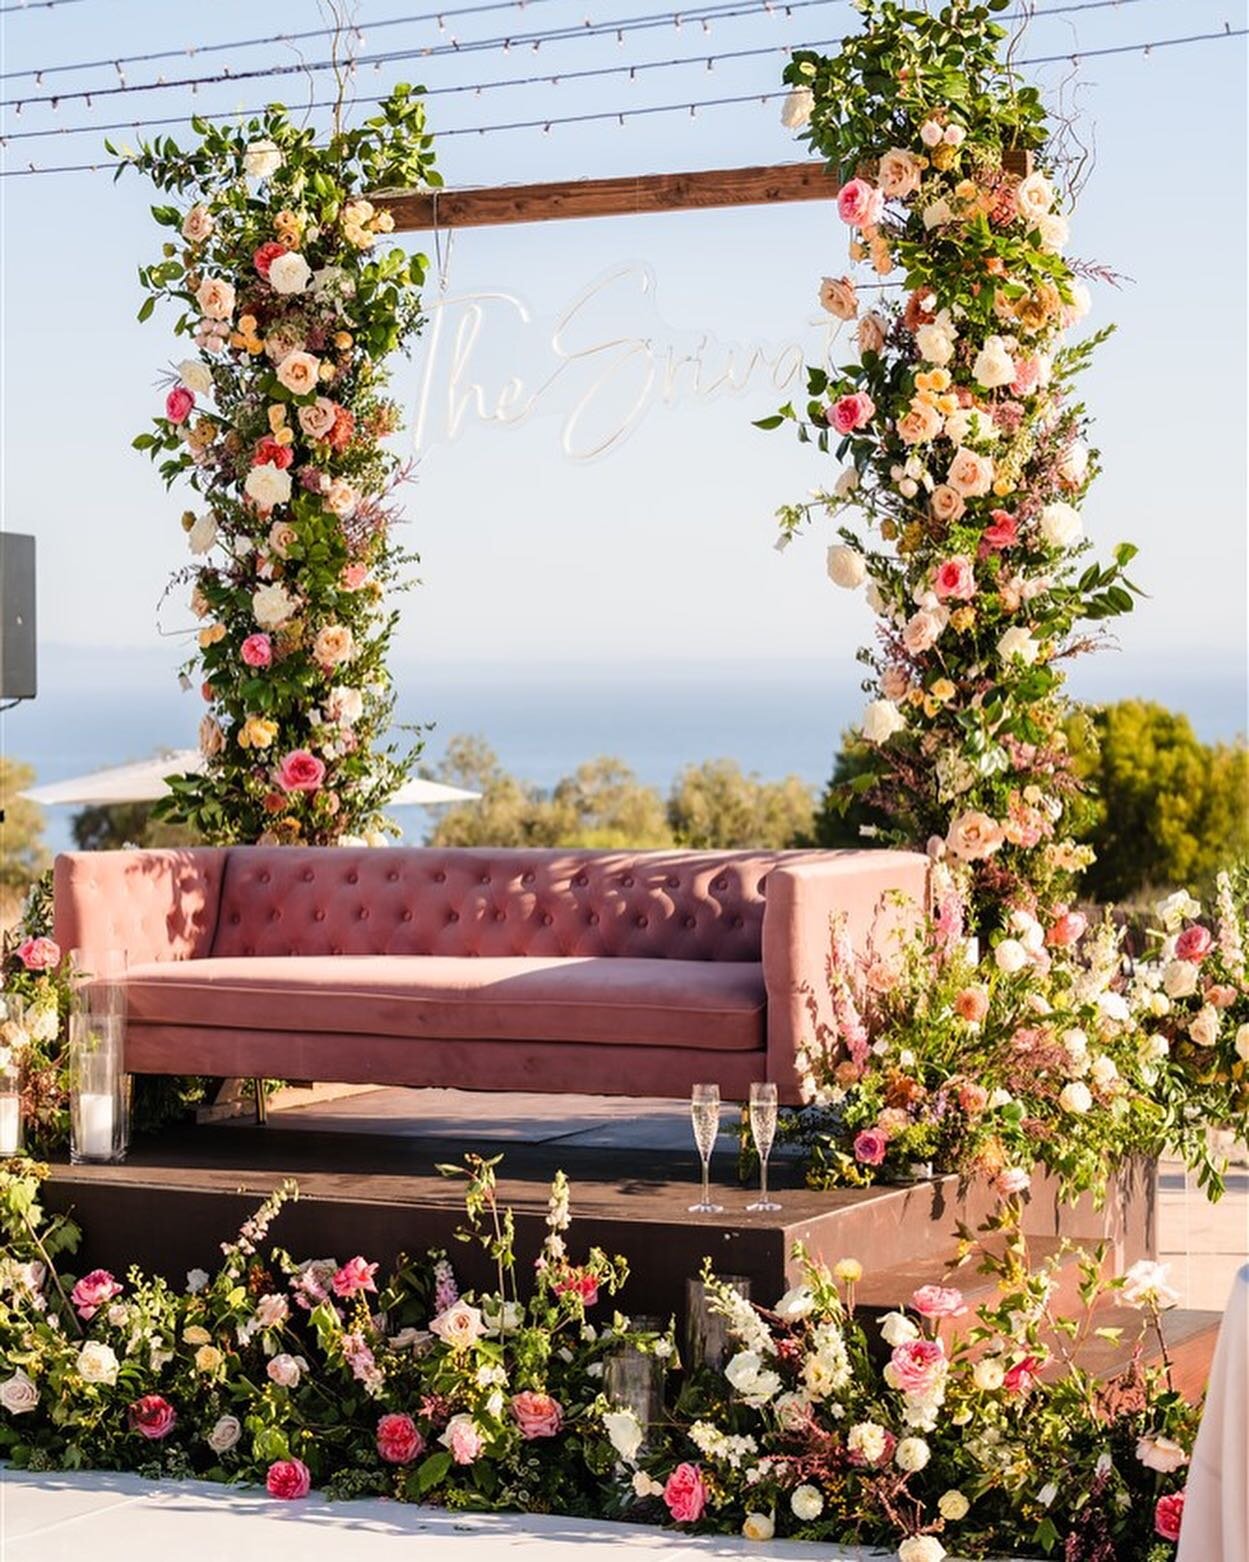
(851, 412)
(1023, 1375)
(301, 771)
(916, 1366)
(178, 404)
(288, 1479)
(355, 1275)
(257, 651)
(39, 954)
(955, 580)
(537, 1415)
(860, 203)
(152, 1417)
(685, 1494)
(1194, 943)
(870, 1147)
(398, 1439)
(1169, 1515)
(92, 1291)
(938, 1301)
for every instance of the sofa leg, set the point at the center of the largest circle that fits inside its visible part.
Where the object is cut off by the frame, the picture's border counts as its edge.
(262, 1105)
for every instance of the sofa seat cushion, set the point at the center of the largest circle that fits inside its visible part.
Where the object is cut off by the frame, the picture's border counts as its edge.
(612, 1001)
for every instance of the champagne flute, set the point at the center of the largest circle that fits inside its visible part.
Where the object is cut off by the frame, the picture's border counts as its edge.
(705, 1112)
(763, 1131)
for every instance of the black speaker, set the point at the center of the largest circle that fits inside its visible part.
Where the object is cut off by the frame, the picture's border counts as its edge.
(17, 617)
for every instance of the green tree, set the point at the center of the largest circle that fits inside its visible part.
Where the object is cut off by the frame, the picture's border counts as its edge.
(842, 818)
(110, 826)
(604, 804)
(22, 854)
(716, 804)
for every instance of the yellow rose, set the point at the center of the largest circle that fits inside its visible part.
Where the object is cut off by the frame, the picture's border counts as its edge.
(257, 732)
(196, 1335)
(211, 635)
(943, 690)
(962, 619)
(207, 1358)
(944, 157)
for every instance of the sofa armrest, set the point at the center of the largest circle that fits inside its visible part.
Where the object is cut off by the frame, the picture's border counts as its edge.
(802, 899)
(154, 905)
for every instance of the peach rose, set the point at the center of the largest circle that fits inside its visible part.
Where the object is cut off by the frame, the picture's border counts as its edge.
(215, 298)
(318, 419)
(972, 1004)
(871, 332)
(970, 475)
(341, 498)
(299, 372)
(898, 174)
(946, 504)
(838, 296)
(334, 644)
(197, 225)
(973, 836)
(919, 424)
(922, 631)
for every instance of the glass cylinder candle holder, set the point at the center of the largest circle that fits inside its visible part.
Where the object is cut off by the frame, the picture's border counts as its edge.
(634, 1380)
(98, 1089)
(13, 1042)
(99, 981)
(706, 1329)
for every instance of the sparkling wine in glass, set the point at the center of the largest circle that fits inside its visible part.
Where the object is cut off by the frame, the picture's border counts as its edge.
(705, 1112)
(763, 1131)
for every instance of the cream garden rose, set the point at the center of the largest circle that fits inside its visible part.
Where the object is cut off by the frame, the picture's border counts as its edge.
(994, 366)
(262, 159)
(268, 486)
(290, 273)
(846, 567)
(198, 224)
(97, 1363)
(215, 298)
(334, 644)
(881, 720)
(1060, 524)
(273, 606)
(757, 1526)
(224, 1434)
(299, 372)
(196, 376)
(899, 173)
(1017, 645)
(936, 341)
(459, 1326)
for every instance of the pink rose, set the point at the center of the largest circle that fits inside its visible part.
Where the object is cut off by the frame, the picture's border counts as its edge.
(355, 1275)
(1169, 1515)
(257, 651)
(537, 1415)
(354, 576)
(39, 954)
(582, 1284)
(1221, 997)
(301, 771)
(938, 1301)
(955, 580)
(318, 419)
(860, 204)
(1002, 534)
(152, 1417)
(463, 1439)
(1067, 928)
(1027, 376)
(870, 1147)
(916, 1366)
(1014, 1180)
(1194, 944)
(398, 1440)
(92, 1291)
(178, 404)
(851, 412)
(685, 1494)
(288, 1479)
(972, 1004)
(1023, 1375)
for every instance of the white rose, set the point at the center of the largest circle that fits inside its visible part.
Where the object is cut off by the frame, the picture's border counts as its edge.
(1074, 466)
(988, 1375)
(935, 342)
(344, 707)
(881, 720)
(203, 533)
(994, 366)
(1163, 1454)
(796, 1303)
(1018, 645)
(290, 273)
(18, 1394)
(224, 1435)
(1204, 1027)
(624, 1432)
(268, 485)
(272, 606)
(1054, 230)
(285, 1370)
(1034, 196)
(1010, 956)
(921, 1548)
(1060, 524)
(937, 214)
(1114, 1006)
(196, 376)
(261, 159)
(953, 1506)
(846, 567)
(758, 1526)
(912, 1454)
(897, 1329)
(806, 1502)
(1076, 1098)
(97, 1363)
(459, 1326)
(930, 133)
(1179, 979)
(1242, 1043)
(796, 109)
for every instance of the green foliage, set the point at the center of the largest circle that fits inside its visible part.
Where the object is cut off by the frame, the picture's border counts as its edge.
(715, 805)
(111, 826)
(22, 854)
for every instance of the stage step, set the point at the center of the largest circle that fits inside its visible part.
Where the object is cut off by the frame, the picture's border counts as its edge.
(1190, 1336)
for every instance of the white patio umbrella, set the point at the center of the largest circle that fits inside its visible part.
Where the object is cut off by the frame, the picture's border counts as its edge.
(144, 782)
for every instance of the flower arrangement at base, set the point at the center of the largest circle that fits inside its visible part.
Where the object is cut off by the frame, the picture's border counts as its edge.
(290, 303)
(966, 452)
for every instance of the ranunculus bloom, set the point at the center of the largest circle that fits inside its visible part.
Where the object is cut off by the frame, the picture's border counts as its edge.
(301, 771)
(1194, 943)
(916, 1366)
(955, 580)
(288, 1479)
(938, 1301)
(92, 1291)
(179, 404)
(39, 954)
(398, 1439)
(685, 1494)
(870, 1147)
(972, 1004)
(1023, 1375)
(152, 1417)
(1069, 927)
(1169, 1515)
(355, 1275)
(269, 452)
(859, 203)
(537, 1415)
(851, 412)
(257, 651)
(266, 255)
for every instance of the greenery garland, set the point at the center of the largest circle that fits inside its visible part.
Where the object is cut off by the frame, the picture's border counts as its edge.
(277, 421)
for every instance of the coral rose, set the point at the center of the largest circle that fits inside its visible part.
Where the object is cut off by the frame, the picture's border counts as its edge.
(152, 1417)
(39, 954)
(92, 1291)
(179, 404)
(537, 1415)
(1069, 927)
(1169, 1515)
(685, 1494)
(264, 257)
(398, 1439)
(257, 651)
(288, 1479)
(301, 771)
(852, 412)
(269, 452)
(1002, 534)
(972, 1004)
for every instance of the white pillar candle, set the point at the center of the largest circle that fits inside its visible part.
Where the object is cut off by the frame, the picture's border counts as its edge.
(95, 1124)
(10, 1124)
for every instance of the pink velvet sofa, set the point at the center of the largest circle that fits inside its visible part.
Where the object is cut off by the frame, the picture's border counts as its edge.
(620, 973)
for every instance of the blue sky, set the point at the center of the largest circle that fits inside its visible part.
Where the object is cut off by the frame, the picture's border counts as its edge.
(658, 554)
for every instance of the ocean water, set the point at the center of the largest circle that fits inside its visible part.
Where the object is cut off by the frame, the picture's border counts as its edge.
(775, 718)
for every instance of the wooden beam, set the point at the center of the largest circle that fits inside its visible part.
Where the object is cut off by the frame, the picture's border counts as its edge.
(419, 211)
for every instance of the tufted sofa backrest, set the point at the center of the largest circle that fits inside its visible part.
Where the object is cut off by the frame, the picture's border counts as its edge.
(482, 901)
